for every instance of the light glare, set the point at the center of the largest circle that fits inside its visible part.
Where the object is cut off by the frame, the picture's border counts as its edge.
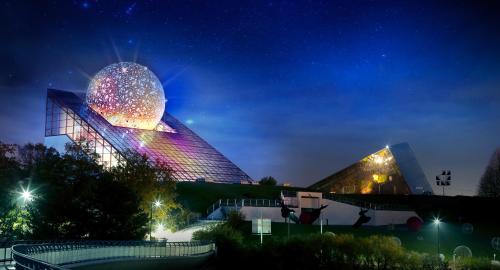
(157, 203)
(27, 196)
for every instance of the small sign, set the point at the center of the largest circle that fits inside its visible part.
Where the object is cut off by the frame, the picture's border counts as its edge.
(261, 226)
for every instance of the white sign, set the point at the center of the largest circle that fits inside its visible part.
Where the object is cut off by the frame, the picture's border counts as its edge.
(261, 226)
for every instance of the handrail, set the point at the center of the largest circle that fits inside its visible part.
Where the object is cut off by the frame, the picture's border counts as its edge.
(277, 203)
(247, 202)
(56, 256)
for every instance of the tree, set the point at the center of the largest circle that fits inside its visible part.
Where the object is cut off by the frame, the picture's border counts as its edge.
(268, 181)
(490, 181)
(13, 218)
(151, 182)
(77, 198)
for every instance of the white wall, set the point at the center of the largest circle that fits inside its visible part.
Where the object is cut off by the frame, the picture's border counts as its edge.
(337, 213)
(273, 213)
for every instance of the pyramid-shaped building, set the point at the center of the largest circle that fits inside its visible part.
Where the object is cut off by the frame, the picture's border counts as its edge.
(391, 170)
(69, 118)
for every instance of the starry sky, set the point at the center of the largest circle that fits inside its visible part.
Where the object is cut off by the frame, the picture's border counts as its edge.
(292, 89)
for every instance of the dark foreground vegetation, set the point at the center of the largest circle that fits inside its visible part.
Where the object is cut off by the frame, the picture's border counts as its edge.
(321, 251)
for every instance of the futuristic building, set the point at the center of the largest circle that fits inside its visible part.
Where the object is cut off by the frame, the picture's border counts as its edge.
(124, 110)
(392, 170)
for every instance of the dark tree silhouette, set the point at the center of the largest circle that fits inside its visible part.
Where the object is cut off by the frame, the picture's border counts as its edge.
(76, 197)
(490, 181)
(268, 181)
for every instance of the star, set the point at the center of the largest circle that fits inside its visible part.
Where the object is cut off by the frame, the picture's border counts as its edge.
(130, 9)
(85, 5)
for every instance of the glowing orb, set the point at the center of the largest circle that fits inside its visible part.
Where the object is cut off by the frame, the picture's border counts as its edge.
(128, 95)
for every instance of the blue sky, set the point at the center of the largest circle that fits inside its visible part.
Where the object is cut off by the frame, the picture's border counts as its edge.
(293, 89)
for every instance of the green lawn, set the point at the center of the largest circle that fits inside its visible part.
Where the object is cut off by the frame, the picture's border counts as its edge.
(199, 196)
(424, 241)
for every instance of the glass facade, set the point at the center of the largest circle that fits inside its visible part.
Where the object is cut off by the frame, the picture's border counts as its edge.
(377, 173)
(190, 157)
(63, 121)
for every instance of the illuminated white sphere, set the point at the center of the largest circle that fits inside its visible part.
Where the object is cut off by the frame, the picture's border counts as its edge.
(128, 95)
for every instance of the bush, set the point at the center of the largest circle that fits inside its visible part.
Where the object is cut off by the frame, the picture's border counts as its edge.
(229, 243)
(314, 251)
(235, 219)
(474, 263)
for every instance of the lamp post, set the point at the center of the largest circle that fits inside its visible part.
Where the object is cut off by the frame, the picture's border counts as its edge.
(437, 222)
(154, 204)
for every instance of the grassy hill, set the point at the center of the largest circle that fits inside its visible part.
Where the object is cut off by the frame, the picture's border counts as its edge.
(199, 196)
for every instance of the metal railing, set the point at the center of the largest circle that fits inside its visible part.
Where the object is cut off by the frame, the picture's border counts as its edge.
(292, 202)
(56, 256)
(6, 247)
(250, 202)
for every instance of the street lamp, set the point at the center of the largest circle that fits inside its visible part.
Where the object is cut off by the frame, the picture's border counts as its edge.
(437, 221)
(26, 195)
(154, 204)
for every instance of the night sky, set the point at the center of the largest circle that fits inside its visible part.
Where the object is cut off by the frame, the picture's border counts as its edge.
(296, 90)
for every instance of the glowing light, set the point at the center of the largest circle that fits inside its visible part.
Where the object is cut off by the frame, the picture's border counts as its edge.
(157, 203)
(26, 195)
(379, 178)
(189, 121)
(128, 95)
(386, 146)
(366, 189)
(437, 221)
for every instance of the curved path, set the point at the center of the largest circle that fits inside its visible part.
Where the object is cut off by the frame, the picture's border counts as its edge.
(111, 255)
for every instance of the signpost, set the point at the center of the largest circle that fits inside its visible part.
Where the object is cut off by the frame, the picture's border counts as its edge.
(261, 227)
(444, 179)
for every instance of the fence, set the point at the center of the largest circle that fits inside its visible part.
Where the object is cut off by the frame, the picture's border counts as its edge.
(290, 202)
(50, 256)
(6, 248)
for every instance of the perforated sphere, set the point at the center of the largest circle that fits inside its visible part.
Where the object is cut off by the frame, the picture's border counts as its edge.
(127, 94)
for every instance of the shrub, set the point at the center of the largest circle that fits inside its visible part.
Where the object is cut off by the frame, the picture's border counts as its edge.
(314, 251)
(474, 263)
(229, 243)
(235, 219)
